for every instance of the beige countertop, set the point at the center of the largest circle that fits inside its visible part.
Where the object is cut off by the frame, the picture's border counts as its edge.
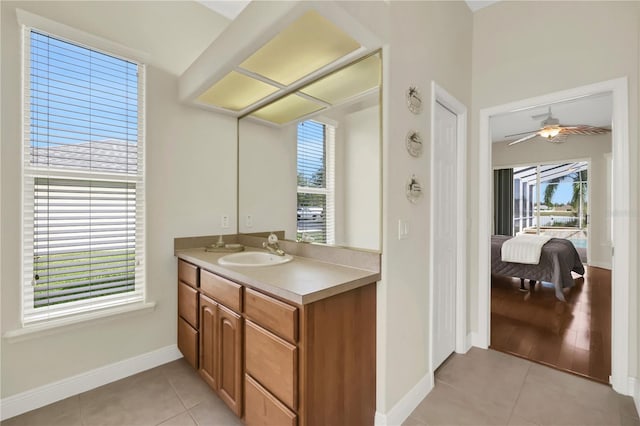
(300, 281)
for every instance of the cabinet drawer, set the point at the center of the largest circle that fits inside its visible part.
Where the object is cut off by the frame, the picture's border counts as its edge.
(188, 304)
(188, 342)
(263, 409)
(222, 290)
(272, 314)
(273, 362)
(187, 273)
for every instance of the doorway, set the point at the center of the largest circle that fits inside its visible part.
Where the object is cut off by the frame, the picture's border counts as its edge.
(621, 279)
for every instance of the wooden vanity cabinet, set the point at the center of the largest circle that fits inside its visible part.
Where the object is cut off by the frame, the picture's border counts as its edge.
(313, 364)
(188, 312)
(277, 363)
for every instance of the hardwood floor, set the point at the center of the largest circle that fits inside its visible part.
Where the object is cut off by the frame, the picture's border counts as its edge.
(574, 336)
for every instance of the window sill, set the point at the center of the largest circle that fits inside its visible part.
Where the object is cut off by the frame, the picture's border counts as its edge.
(64, 324)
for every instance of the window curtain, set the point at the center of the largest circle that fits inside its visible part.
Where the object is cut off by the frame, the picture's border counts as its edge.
(503, 202)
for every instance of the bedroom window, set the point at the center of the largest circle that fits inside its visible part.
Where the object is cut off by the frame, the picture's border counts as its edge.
(545, 199)
(83, 179)
(316, 186)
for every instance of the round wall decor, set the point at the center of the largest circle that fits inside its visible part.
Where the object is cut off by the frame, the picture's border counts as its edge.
(414, 189)
(414, 143)
(414, 100)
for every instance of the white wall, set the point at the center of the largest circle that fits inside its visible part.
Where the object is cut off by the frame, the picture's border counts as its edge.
(425, 41)
(183, 199)
(514, 59)
(595, 149)
(360, 139)
(267, 177)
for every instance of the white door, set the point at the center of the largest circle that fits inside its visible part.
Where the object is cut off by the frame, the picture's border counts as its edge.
(445, 212)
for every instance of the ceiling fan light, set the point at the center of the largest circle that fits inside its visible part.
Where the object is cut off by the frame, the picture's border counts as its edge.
(549, 132)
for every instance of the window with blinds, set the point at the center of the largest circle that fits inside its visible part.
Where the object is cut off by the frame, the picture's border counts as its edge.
(83, 179)
(316, 175)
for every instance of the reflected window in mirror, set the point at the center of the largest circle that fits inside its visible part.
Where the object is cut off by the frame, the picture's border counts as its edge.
(316, 182)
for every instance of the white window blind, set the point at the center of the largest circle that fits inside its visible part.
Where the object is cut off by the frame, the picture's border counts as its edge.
(83, 179)
(316, 182)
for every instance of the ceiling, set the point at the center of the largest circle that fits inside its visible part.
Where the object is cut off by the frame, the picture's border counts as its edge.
(595, 110)
(228, 9)
(142, 26)
(231, 9)
(475, 5)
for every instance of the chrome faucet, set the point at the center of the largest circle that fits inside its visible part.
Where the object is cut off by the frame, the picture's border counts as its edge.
(272, 245)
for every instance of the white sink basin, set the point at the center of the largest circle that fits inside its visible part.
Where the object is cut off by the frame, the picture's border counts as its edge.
(254, 258)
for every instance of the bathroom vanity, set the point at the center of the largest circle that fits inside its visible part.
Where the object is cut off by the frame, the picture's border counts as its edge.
(290, 344)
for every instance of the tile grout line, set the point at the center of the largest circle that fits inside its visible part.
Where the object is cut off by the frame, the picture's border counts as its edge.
(179, 399)
(195, 422)
(524, 380)
(175, 391)
(82, 422)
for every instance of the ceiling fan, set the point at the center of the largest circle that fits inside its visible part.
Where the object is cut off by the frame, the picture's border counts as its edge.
(554, 132)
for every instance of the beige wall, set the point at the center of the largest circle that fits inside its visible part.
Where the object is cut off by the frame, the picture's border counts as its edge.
(423, 41)
(429, 41)
(182, 199)
(517, 56)
(596, 150)
(267, 178)
(361, 179)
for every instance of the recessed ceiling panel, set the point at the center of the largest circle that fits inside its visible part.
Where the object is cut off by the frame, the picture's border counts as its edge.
(287, 109)
(351, 81)
(236, 92)
(305, 46)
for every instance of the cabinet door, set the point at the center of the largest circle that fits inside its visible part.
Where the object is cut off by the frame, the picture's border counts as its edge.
(264, 409)
(273, 363)
(208, 341)
(188, 304)
(188, 342)
(230, 358)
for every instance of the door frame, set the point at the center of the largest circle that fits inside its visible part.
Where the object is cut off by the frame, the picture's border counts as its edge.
(621, 241)
(440, 95)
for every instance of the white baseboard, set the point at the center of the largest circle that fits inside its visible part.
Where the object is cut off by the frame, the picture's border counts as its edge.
(44, 395)
(475, 340)
(399, 413)
(634, 386)
(602, 265)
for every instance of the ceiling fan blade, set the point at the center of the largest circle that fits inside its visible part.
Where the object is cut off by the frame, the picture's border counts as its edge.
(584, 130)
(526, 138)
(521, 133)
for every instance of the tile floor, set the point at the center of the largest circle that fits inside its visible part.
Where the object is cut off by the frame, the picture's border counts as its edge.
(491, 388)
(478, 388)
(170, 395)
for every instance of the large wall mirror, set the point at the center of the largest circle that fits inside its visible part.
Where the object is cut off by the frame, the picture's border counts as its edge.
(309, 163)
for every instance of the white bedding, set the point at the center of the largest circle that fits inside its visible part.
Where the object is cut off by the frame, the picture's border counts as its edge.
(524, 248)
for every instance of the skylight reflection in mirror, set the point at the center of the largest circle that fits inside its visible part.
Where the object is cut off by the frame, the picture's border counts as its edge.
(307, 45)
(348, 82)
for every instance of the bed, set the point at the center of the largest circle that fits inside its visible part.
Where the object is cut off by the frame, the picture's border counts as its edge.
(558, 259)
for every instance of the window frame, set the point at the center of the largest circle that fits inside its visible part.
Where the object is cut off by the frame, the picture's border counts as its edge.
(97, 306)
